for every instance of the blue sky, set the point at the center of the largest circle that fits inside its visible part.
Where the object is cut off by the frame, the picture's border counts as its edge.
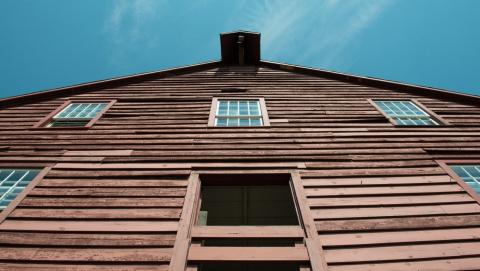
(47, 44)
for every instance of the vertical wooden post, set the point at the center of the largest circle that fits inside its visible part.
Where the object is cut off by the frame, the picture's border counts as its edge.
(312, 240)
(178, 261)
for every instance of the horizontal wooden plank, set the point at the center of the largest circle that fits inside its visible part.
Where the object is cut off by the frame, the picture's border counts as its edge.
(231, 158)
(373, 172)
(88, 226)
(99, 153)
(112, 183)
(444, 209)
(143, 136)
(116, 166)
(247, 232)
(404, 223)
(101, 202)
(82, 267)
(391, 237)
(109, 192)
(384, 190)
(470, 263)
(354, 201)
(147, 255)
(250, 254)
(97, 213)
(407, 252)
(87, 239)
(182, 145)
(274, 152)
(377, 181)
(114, 173)
(372, 164)
(310, 144)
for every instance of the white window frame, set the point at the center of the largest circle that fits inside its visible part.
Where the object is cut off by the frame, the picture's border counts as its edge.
(395, 119)
(45, 123)
(14, 203)
(212, 121)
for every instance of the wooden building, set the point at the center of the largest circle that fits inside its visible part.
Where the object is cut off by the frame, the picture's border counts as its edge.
(240, 164)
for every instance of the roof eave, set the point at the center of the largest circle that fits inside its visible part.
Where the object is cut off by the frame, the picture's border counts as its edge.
(375, 82)
(90, 86)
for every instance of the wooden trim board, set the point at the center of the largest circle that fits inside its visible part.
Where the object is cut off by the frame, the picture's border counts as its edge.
(312, 241)
(247, 232)
(433, 115)
(213, 111)
(445, 166)
(184, 252)
(248, 254)
(182, 241)
(44, 121)
(4, 214)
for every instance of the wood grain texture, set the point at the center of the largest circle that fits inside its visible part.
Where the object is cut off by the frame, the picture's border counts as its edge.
(247, 232)
(182, 240)
(375, 193)
(253, 254)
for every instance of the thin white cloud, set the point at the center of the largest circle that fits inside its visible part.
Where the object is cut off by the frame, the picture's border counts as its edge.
(275, 20)
(128, 17)
(128, 26)
(324, 27)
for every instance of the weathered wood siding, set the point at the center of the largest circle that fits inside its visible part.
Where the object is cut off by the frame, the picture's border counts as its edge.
(114, 196)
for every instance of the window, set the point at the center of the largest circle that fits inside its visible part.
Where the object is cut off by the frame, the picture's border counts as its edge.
(406, 113)
(470, 174)
(234, 112)
(12, 183)
(237, 205)
(75, 114)
(240, 217)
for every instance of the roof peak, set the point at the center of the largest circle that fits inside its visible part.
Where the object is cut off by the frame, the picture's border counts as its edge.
(240, 48)
(230, 57)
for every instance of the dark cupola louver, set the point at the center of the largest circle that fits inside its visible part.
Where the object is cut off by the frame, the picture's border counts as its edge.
(240, 48)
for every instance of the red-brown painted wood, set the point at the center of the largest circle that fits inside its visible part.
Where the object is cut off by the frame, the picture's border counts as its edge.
(375, 192)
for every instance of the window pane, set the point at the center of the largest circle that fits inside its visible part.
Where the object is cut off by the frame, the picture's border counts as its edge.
(222, 108)
(67, 110)
(89, 109)
(233, 108)
(7, 183)
(255, 122)
(68, 123)
(470, 174)
(221, 122)
(248, 205)
(239, 113)
(415, 109)
(405, 113)
(244, 108)
(80, 111)
(460, 170)
(244, 122)
(254, 107)
(79, 108)
(12, 183)
(232, 121)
